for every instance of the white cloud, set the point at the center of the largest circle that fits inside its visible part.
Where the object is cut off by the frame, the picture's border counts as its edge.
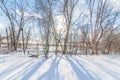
(82, 1)
(27, 15)
(2, 29)
(36, 15)
(18, 12)
(2, 26)
(60, 24)
(116, 4)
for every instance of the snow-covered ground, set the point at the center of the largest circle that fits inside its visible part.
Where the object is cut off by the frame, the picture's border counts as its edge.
(84, 67)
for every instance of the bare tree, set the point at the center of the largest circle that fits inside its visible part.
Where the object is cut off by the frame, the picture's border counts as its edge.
(85, 38)
(22, 22)
(109, 39)
(1, 38)
(9, 14)
(7, 37)
(101, 16)
(28, 34)
(68, 12)
(14, 11)
(44, 7)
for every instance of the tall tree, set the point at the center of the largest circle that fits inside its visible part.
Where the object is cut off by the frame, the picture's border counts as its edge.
(101, 16)
(15, 13)
(68, 12)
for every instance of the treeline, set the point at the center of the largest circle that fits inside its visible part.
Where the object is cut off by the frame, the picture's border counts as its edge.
(92, 26)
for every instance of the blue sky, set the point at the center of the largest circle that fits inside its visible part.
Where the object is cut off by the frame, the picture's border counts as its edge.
(4, 21)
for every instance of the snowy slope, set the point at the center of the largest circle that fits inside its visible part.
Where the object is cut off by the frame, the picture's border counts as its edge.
(20, 67)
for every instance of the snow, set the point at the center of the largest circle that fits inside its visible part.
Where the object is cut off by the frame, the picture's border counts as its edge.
(78, 67)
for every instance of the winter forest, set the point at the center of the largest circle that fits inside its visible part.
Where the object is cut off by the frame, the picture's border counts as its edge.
(59, 40)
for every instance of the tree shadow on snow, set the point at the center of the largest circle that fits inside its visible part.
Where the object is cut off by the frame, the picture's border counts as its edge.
(29, 65)
(80, 70)
(34, 69)
(12, 68)
(52, 73)
(108, 71)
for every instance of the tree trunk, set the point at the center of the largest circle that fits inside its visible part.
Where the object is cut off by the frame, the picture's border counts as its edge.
(23, 42)
(7, 40)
